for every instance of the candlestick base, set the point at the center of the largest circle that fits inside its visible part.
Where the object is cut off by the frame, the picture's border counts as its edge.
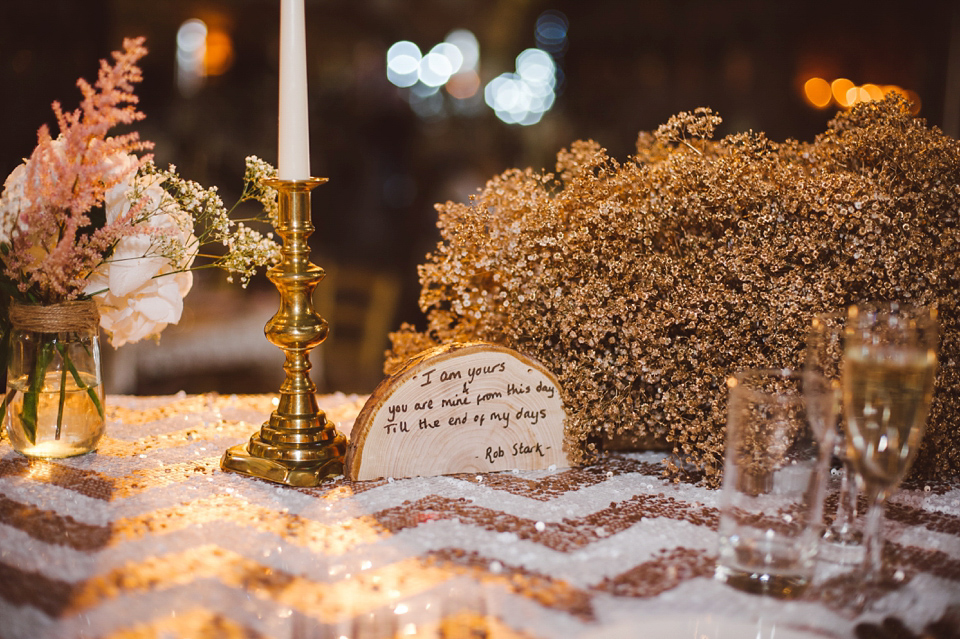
(240, 459)
(298, 446)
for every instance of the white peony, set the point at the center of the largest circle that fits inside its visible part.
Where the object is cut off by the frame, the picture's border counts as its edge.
(145, 311)
(140, 290)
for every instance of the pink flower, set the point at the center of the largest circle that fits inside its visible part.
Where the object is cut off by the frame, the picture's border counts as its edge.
(44, 218)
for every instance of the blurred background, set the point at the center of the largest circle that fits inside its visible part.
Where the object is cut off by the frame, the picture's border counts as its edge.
(415, 102)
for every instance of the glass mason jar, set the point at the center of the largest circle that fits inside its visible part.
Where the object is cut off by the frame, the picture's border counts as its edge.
(54, 401)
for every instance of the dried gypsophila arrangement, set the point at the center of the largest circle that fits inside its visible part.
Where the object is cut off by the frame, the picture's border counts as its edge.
(85, 217)
(644, 285)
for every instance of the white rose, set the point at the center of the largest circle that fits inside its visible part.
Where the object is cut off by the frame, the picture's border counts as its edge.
(130, 267)
(141, 292)
(144, 312)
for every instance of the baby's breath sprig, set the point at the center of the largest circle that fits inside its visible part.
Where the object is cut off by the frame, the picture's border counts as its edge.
(256, 189)
(699, 124)
(244, 248)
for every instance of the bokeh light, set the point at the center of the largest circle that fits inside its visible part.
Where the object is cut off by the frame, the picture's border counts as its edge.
(914, 99)
(465, 81)
(452, 53)
(854, 95)
(403, 63)
(842, 92)
(451, 64)
(873, 91)
(447, 80)
(191, 54)
(464, 85)
(466, 42)
(426, 101)
(536, 67)
(219, 52)
(524, 96)
(435, 69)
(551, 31)
(817, 92)
(841, 89)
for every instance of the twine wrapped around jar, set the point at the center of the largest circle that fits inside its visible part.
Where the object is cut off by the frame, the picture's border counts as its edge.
(54, 394)
(76, 315)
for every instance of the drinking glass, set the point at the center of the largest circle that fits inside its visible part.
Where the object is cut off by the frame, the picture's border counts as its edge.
(889, 365)
(824, 356)
(778, 444)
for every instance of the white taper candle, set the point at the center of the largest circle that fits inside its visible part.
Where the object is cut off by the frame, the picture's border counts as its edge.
(293, 156)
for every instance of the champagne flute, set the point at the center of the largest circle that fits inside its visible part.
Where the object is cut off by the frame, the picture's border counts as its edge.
(824, 356)
(889, 365)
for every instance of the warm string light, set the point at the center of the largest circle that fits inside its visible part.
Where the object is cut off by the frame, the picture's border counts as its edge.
(842, 92)
(452, 65)
(524, 96)
(451, 68)
(202, 51)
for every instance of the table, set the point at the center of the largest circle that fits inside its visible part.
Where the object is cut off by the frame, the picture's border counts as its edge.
(148, 537)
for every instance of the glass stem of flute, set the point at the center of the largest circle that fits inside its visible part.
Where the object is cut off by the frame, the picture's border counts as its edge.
(846, 501)
(872, 537)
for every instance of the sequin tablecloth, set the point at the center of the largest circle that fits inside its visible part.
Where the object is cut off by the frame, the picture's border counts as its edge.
(148, 537)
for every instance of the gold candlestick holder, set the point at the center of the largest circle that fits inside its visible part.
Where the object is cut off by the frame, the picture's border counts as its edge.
(298, 446)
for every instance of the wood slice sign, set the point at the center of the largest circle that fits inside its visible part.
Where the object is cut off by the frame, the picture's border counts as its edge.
(460, 408)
